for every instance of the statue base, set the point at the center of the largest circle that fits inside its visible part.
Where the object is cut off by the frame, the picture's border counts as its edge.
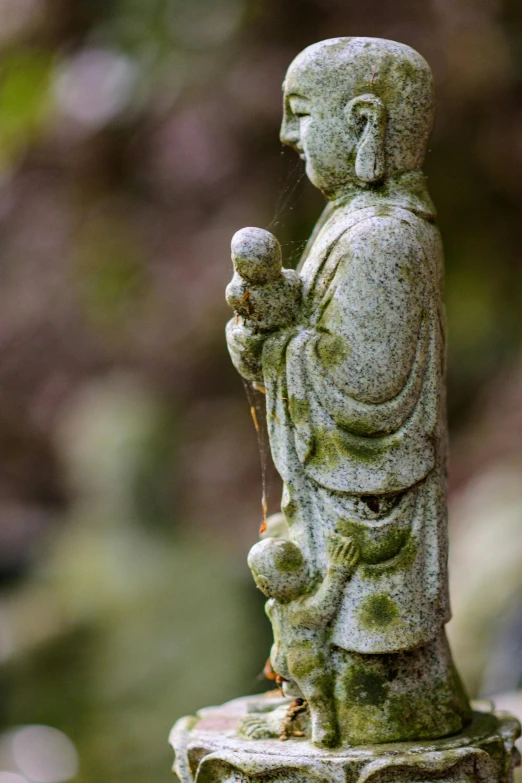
(215, 746)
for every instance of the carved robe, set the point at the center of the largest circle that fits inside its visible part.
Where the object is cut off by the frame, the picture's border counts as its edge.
(356, 412)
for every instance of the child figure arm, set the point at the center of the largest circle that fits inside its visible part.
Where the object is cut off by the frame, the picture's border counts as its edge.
(320, 608)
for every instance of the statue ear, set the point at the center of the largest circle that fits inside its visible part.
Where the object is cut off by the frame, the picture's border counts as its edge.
(369, 111)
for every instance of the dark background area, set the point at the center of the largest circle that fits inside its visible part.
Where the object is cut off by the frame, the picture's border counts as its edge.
(136, 136)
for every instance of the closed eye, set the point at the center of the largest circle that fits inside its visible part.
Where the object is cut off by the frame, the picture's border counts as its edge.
(299, 106)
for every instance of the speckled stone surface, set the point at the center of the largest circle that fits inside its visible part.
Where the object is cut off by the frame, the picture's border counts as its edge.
(350, 352)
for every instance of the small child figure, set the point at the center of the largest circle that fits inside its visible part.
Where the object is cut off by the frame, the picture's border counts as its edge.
(261, 291)
(300, 621)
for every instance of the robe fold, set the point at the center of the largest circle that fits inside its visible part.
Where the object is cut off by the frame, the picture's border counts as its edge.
(356, 413)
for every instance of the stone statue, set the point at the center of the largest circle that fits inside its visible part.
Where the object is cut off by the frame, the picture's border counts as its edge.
(353, 371)
(350, 353)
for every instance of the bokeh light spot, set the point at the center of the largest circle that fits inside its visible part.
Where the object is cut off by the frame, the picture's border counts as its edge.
(95, 86)
(44, 754)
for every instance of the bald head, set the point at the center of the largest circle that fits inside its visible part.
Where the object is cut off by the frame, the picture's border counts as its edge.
(330, 74)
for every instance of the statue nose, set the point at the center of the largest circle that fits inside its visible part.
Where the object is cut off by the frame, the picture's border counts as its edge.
(290, 133)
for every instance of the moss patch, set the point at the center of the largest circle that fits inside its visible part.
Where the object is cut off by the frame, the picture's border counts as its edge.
(305, 660)
(365, 687)
(332, 350)
(288, 558)
(374, 551)
(299, 410)
(331, 445)
(401, 562)
(378, 611)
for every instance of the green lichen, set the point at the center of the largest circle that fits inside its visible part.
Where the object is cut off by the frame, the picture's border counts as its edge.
(378, 611)
(331, 445)
(288, 559)
(383, 210)
(360, 427)
(402, 561)
(333, 350)
(408, 273)
(304, 659)
(423, 717)
(370, 712)
(378, 550)
(365, 687)
(459, 698)
(290, 510)
(299, 410)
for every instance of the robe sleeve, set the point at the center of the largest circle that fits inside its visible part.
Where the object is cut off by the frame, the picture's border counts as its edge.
(348, 389)
(371, 313)
(245, 347)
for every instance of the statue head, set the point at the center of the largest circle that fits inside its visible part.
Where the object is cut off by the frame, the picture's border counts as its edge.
(278, 568)
(358, 110)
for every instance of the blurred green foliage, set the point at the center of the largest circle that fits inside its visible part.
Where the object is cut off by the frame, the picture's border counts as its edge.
(25, 103)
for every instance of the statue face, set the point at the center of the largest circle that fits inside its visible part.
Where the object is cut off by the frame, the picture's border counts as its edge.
(316, 126)
(282, 587)
(357, 110)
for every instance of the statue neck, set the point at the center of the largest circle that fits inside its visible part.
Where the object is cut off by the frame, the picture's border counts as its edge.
(407, 190)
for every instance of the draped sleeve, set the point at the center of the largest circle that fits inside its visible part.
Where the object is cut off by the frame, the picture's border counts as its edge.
(352, 390)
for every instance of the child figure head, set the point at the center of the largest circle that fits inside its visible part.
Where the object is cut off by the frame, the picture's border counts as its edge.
(278, 568)
(256, 255)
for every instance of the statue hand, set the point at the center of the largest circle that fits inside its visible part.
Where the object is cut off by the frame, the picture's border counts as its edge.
(344, 554)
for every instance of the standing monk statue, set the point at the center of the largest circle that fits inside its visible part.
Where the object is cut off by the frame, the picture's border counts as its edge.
(354, 376)
(350, 352)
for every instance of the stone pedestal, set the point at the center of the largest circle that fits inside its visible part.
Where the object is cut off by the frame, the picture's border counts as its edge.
(211, 747)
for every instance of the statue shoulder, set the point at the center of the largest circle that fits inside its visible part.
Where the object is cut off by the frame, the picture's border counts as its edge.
(381, 226)
(383, 240)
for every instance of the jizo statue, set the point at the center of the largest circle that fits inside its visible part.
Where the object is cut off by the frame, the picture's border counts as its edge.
(354, 376)
(349, 351)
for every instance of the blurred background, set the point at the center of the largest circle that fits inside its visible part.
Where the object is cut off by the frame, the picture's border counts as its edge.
(136, 136)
